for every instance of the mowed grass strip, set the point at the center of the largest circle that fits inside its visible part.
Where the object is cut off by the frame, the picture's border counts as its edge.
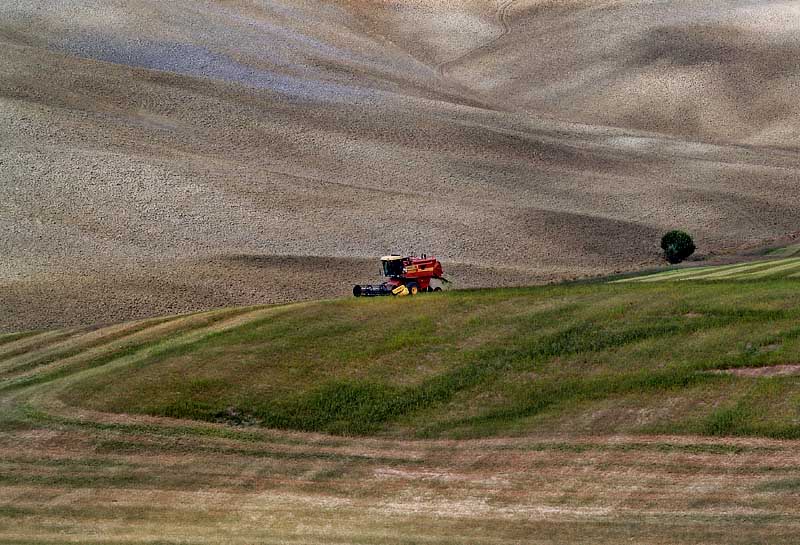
(675, 274)
(738, 270)
(6, 338)
(658, 276)
(113, 344)
(787, 267)
(75, 345)
(25, 345)
(778, 268)
(479, 363)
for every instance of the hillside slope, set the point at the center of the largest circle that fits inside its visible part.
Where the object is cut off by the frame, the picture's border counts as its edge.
(647, 357)
(659, 412)
(171, 156)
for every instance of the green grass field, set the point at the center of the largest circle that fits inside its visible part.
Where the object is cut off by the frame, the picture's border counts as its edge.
(597, 411)
(573, 358)
(785, 251)
(787, 267)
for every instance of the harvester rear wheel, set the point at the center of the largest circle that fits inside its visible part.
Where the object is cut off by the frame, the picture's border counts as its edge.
(437, 289)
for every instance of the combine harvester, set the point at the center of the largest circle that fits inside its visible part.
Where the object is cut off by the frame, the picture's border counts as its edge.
(406, 276)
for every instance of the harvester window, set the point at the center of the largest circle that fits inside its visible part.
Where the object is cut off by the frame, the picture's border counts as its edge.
(393, 268)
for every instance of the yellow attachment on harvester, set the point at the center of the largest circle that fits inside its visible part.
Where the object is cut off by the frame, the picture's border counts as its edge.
(400, 291)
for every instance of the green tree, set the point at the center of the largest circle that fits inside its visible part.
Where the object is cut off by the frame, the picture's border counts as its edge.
(677, 246)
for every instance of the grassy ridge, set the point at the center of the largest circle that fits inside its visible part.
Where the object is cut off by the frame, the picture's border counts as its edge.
(593, 358)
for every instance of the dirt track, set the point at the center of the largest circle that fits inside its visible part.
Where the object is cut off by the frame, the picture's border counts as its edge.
(159, 157)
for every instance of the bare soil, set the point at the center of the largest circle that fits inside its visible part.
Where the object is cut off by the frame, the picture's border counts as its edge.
(181, 155)
(769, 371)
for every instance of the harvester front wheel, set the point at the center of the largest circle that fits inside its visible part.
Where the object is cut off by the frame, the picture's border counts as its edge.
(413, 289)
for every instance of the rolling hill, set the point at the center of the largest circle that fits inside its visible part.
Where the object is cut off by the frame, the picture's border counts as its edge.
(186, 187)
(658, 411)
(166, 157)
(653, 354)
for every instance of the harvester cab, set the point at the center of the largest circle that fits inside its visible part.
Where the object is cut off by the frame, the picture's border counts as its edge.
(405, 276)
(392, 266)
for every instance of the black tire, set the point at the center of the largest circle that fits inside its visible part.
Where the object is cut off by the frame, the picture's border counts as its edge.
(437, 289)
(413, 288)
(357, 291)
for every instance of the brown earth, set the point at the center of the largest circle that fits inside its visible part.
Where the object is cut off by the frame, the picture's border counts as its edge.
(768, 371)
(170, 156)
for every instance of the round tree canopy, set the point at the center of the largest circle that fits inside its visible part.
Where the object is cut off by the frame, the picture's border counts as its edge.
(677, 246)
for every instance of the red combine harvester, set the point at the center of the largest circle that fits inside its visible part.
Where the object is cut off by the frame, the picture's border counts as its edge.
(406, 276)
